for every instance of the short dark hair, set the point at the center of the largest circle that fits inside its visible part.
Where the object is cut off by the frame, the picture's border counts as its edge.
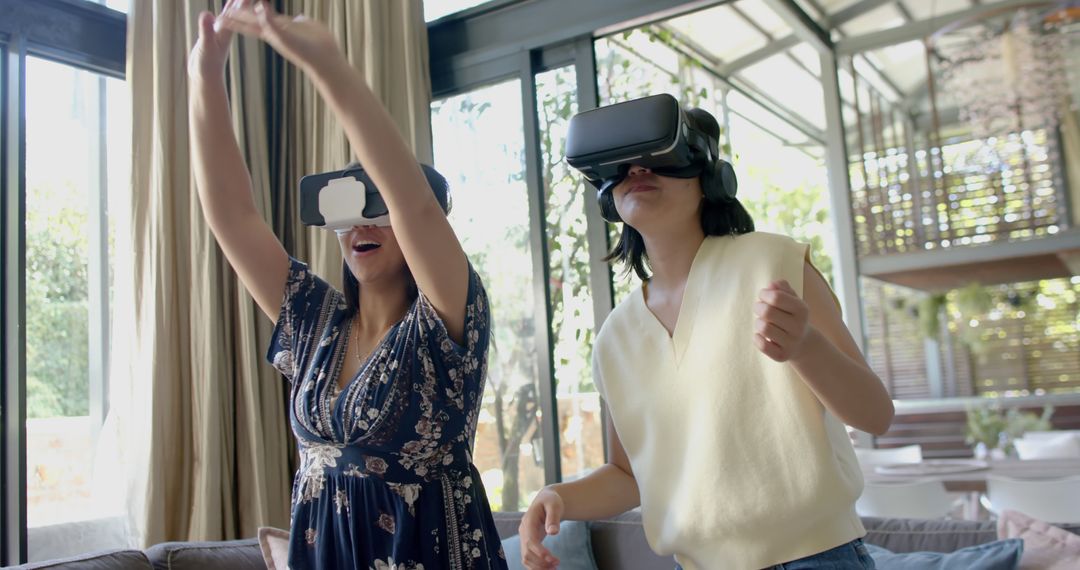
(350, 286)
(718, 218)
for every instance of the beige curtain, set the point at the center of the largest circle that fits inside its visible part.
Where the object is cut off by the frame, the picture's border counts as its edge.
(387, 41)
(207, 444)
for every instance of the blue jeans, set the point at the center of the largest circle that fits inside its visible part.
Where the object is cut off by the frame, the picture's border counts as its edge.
(850, 556)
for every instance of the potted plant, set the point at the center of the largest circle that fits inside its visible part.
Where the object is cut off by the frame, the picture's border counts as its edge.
(993, 431)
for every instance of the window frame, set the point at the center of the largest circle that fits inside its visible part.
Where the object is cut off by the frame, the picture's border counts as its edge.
(90, 37)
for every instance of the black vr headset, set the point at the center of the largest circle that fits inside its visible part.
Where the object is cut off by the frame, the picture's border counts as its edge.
(652, 132)
(342, 199)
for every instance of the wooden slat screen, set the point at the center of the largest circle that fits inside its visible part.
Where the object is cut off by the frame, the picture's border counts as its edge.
(1007, 189)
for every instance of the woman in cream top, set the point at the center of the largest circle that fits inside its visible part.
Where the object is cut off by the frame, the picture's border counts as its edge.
(729, 376)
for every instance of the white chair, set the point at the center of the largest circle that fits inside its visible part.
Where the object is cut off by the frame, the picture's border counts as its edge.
(889, 456)
(1054, 501)
(1063, 445)
(1038, 435)
(924, 499)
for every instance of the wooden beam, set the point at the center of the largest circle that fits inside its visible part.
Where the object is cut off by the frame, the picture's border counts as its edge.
(1000, 262)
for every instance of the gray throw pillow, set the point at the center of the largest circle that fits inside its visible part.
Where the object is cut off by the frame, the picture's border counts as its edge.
(572, 546)
(997, 555)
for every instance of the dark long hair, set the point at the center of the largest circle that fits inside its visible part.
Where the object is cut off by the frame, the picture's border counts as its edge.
(718, 218)
(350, 286)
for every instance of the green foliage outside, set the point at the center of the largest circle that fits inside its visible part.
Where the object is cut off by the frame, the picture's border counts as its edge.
(57, 327)
(630, 65)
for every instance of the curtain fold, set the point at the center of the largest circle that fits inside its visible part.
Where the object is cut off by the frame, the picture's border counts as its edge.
(203, 417)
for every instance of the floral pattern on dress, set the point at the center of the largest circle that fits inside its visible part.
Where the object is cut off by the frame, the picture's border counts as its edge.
(386, 467)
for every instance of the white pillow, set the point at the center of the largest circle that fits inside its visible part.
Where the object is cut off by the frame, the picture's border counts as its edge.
(1064, 446)
(274, 543)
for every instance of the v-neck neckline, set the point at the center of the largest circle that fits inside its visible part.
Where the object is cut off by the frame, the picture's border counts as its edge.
(679, 336)
(336, 402)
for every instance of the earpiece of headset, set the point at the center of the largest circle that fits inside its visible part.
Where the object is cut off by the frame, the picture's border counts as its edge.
(605, 197)
(718, 181)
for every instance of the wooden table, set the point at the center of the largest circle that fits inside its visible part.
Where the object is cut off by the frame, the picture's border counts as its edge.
(974, 482)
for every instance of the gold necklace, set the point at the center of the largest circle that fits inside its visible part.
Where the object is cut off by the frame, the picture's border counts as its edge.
(356, 339)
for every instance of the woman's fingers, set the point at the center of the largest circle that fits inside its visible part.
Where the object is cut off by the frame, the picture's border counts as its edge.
(773, 333)
(268, 18)
(769, 348)
(256, 19)
(206, 25)
(536, 556)
(241, 22)
(553, 517)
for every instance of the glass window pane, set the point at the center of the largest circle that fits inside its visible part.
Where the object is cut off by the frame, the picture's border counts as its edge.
(782, 177)
(77, 141)
(479, 147)
(572, 324)
(435, 9)
(118, 5)
(784, 189)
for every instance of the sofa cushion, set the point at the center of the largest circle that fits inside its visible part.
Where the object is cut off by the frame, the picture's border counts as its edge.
(997, 555)
(571, 546)
(232, 554)
(922, 535)
(106, 560)
(617, 543)
(620, 543)
(1046, 547)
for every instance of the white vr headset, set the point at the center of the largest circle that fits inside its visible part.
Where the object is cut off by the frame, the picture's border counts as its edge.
(341, 199)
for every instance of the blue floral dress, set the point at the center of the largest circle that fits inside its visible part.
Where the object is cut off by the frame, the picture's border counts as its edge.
(386, 480)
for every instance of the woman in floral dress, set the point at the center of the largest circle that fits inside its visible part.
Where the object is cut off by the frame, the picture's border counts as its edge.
(387, 375)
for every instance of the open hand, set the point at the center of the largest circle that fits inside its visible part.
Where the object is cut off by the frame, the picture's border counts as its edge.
(207, 58)
(782, 323)
(540, 520)
(299, 39)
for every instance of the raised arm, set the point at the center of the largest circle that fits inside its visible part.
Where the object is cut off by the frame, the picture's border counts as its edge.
(222, 178)
(431, 248)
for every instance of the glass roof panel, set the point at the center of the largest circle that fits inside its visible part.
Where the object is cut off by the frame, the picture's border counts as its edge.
(808, 56)
(881, 18)
(792, 87)
(763, 16)
(921, 9)
(905, 64)
(720, 31)
(751, 110)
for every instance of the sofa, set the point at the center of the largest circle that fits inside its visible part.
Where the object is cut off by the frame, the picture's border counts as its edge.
(618, 544)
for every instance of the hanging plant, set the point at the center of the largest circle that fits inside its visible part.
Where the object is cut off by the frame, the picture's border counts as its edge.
(929, 314)
(973, 301)
(972, 337)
